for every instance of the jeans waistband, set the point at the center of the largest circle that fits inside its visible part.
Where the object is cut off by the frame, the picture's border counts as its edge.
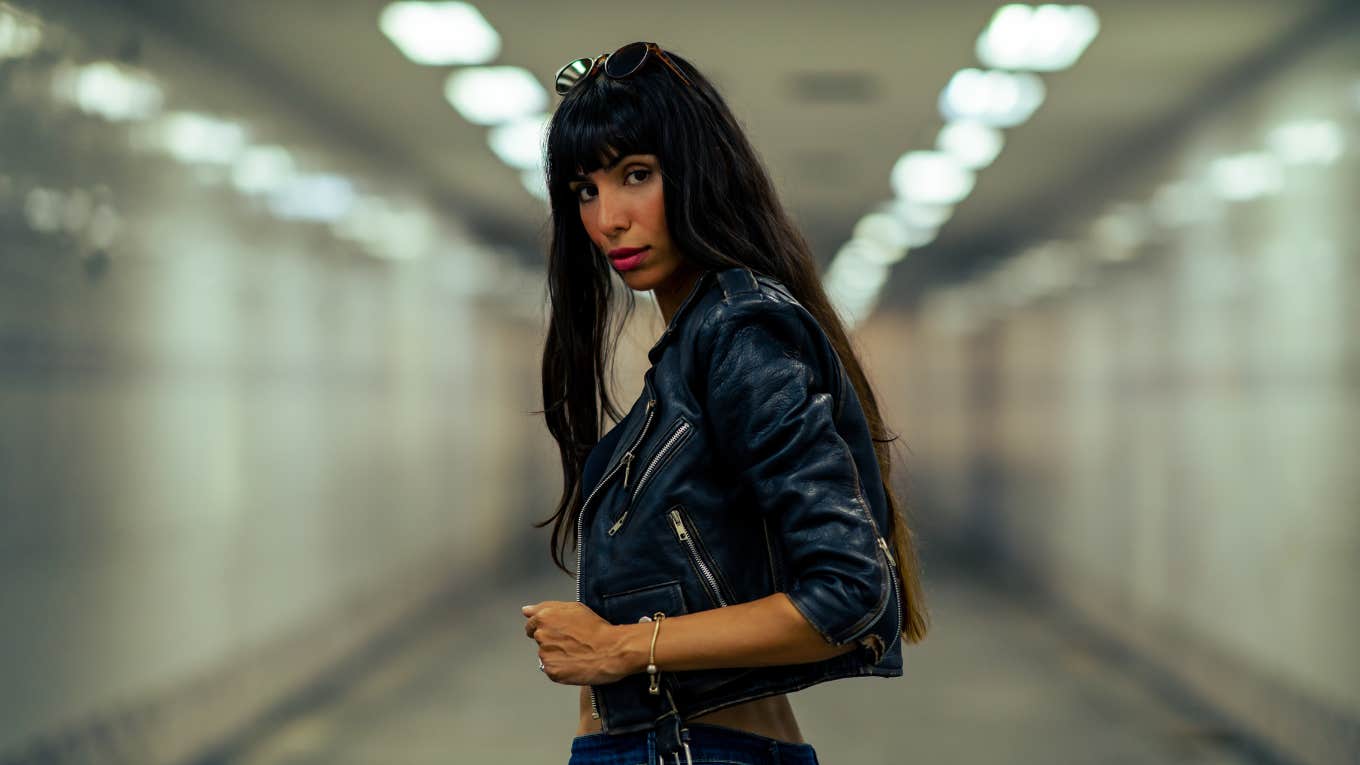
(702, 737)
(674, 740)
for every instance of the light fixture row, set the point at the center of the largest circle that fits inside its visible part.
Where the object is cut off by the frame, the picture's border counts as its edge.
(976, 104)
(507, 99)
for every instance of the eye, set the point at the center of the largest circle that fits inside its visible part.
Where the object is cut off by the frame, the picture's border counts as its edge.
(579, 189)
(646, 173)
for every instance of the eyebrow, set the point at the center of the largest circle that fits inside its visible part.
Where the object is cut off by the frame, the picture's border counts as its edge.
(610, 166)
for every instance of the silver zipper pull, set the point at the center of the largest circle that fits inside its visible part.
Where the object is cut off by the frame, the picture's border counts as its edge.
(618, 523)
(679, 526)
(882, 543)
(628, 458)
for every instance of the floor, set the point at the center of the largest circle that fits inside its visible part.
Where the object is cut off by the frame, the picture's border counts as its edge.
(995, 683)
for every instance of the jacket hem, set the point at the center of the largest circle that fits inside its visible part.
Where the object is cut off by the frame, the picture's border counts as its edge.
(791, 687)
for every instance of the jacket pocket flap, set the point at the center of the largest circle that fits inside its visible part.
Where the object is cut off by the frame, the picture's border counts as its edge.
(629, 606)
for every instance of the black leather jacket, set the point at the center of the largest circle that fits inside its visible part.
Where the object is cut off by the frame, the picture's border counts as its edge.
(745, 468)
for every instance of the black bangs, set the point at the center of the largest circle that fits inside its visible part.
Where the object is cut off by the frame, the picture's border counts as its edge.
(594, 127)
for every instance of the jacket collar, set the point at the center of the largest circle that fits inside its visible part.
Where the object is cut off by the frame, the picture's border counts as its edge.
(655, 352)
(627, 437)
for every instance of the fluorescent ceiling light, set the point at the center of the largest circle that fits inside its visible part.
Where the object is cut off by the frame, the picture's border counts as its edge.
(887, 232)
(491, 95)
(43, 209)
(1180, 203)
(198, 138)
(262, 169)
(853, 283)
(1307, 142)
(519, 142)
(388, 229)
(535, 183)
(1246, 176)
(104, 226)
(973, 144)
(318, 197)
(116, 93)
(19, 36)
(931, 177)
(917, 215)
(408, 233)
(1119, 232)
(1043, 269)
(858, 271)
(996, 98)
(440, 34)
(1045, 39)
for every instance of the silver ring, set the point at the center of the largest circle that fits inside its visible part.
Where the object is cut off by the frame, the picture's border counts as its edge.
(540, 666)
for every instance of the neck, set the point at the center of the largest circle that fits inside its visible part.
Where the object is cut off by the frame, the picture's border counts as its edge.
(669, 296)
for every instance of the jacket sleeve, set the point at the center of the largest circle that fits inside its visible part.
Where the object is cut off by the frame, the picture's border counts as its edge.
(771, 376)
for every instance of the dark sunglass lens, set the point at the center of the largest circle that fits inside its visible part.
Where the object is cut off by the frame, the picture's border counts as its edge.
(625, 60)
(571, 74)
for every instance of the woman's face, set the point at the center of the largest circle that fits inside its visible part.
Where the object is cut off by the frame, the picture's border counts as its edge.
(624, 213)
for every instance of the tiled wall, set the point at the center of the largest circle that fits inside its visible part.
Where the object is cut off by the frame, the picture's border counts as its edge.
(1155, 416)
(225, 427)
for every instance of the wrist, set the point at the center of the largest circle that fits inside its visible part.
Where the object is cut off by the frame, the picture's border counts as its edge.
(633, 646)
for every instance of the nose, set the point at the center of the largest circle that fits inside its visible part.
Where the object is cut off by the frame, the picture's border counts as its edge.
(614, 217)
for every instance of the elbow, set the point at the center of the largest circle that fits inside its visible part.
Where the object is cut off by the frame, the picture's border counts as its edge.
(842, 608)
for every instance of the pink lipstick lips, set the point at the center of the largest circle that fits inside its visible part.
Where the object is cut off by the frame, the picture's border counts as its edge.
(627, 258)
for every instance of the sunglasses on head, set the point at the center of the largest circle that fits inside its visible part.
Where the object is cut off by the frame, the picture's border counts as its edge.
(619, 64)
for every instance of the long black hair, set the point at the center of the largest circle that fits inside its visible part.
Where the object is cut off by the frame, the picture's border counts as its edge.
(721, 211)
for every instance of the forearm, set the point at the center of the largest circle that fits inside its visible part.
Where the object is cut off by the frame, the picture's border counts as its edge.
(765, 632)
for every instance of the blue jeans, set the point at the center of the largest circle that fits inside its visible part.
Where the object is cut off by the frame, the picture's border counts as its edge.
(708, 745)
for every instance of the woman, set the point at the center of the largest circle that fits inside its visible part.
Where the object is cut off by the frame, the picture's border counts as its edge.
(736, 535)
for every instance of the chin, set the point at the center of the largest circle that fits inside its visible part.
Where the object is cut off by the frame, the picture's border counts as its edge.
(639, 280)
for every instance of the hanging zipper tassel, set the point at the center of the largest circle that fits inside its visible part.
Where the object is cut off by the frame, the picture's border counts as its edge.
(628, 458)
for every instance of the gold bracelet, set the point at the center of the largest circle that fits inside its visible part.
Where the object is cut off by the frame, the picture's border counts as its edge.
(654, 686)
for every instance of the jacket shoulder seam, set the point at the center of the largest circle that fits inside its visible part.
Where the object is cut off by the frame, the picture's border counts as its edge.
(730, 290)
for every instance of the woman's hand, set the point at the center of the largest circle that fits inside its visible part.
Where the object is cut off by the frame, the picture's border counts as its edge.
(576, 646)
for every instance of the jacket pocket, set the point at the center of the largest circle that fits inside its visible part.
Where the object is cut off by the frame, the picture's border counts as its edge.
(629, 606)
(709, 576)
(675, 438)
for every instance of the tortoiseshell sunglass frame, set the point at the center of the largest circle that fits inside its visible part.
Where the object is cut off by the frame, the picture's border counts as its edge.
(583, 68)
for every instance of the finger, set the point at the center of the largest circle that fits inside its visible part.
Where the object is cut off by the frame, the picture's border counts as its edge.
(530, 626)
(529, 609)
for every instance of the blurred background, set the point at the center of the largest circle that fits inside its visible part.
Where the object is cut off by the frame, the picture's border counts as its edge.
(272, 303)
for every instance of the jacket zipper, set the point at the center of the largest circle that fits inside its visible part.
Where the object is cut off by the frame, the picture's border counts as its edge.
(888, 559)
(672, 441)
(683, 533)
(892, 575)
(580, 519)
(627, 461)
(769, 555)
(882, 543)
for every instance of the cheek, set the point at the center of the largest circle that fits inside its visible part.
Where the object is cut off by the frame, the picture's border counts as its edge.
(656, 210)
(587, 223)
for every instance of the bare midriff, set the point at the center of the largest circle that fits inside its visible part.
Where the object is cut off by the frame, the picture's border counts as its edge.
(771, 717)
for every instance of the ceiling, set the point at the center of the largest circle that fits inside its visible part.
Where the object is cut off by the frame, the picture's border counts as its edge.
(1153, 65)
